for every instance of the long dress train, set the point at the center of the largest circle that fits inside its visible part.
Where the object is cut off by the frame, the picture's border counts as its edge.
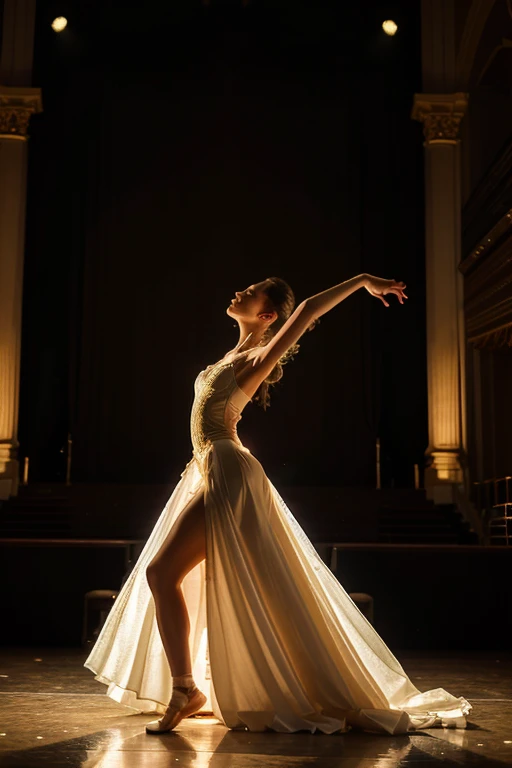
(275, 640)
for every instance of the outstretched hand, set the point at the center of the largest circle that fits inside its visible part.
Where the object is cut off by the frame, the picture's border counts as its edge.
(378, 287)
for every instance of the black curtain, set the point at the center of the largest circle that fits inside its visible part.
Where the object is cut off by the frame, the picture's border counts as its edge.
(186, 151)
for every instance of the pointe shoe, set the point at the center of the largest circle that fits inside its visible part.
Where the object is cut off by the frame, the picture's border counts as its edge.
(187, 704)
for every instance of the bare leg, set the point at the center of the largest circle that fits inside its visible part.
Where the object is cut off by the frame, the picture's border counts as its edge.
(184, 549)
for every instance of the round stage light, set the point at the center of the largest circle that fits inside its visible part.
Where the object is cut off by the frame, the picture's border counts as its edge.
(59, 24)
(389, 27)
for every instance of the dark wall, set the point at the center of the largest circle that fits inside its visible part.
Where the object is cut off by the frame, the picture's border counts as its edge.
(427, 616)
(185, 151)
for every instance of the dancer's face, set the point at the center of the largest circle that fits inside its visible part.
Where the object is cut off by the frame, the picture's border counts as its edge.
(251, 304)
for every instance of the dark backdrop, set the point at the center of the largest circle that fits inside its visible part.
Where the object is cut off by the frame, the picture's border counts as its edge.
(185, 151)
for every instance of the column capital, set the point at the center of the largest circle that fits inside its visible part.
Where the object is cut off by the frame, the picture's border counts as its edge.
(16, 107)
(441, 115)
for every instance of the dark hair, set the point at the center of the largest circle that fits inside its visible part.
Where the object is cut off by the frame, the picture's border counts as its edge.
(281, 299)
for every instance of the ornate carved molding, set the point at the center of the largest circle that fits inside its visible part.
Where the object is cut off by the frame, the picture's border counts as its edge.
(441, 115)
(17, 105)
(498, 339)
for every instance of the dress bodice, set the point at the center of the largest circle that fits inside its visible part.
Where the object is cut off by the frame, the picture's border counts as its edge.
(217, 407)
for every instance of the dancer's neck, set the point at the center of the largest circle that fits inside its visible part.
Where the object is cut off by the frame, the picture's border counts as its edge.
(248, 340)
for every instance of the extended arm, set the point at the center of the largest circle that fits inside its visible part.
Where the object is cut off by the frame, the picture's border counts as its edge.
(315, 306)
(322, 302)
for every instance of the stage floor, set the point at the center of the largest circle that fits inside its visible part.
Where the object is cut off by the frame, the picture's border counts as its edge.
(53, 713)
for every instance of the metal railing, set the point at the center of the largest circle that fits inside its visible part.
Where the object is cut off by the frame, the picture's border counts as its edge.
(493, 500)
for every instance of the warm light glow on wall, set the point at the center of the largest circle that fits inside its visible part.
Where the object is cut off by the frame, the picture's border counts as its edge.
(389, 27)
(59, 24)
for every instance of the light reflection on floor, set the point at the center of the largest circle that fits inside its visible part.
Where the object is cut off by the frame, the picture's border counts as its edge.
(52, 713)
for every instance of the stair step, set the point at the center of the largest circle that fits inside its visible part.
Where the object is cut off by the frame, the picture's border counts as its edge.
(423, 506)
(416, 535)
(430, 539)
(37, 503)
(417, 529)
(412, 522)
(21, 526)
(404, 513)
(34, 515)
(423, 523)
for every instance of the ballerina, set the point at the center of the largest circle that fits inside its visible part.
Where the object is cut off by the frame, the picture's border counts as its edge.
(230, 596)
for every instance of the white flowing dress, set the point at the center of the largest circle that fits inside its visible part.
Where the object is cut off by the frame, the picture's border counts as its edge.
(276, 642)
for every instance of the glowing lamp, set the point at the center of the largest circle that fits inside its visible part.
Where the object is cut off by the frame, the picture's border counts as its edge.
(59, 24)
(389, 27)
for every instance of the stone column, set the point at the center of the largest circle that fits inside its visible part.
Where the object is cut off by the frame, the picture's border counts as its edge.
(441, 115)
(17, 103)
(16, 107)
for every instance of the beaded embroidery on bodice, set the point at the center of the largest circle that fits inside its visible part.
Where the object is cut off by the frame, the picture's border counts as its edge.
(217, 407)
